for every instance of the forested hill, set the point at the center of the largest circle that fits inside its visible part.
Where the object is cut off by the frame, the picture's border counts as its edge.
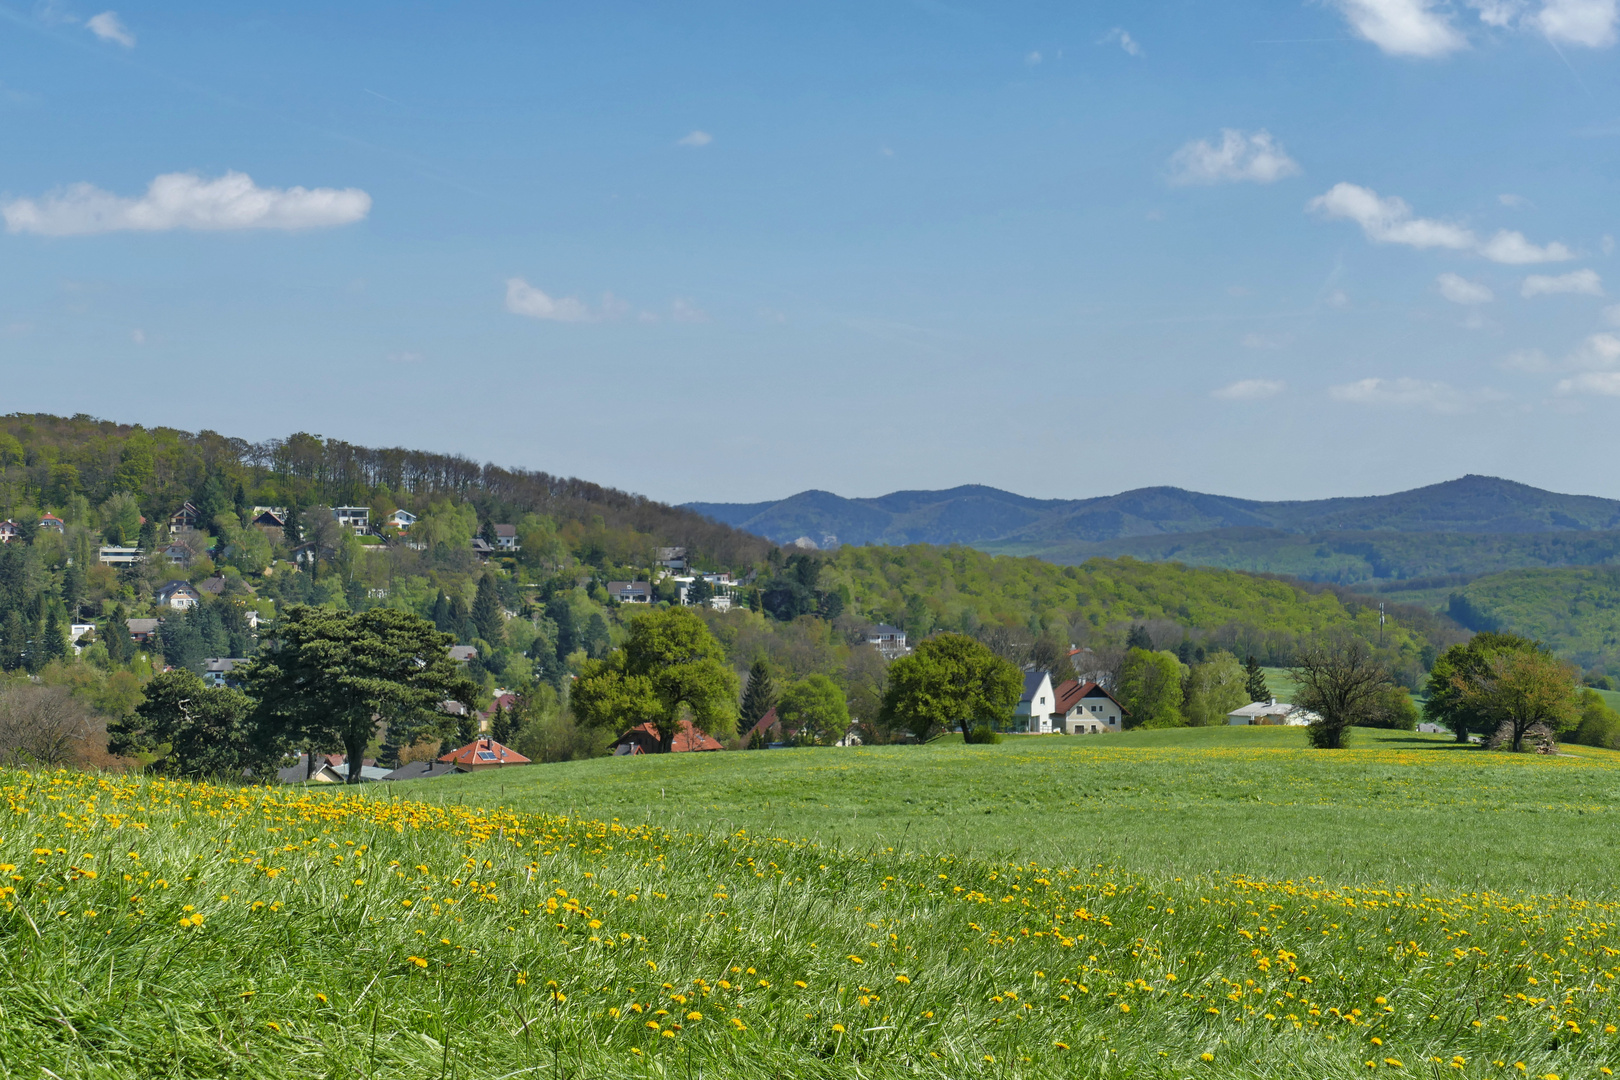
(1473, 525)
(978, 515)
(46, 461)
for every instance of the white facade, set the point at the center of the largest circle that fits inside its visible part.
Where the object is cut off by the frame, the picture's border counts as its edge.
(1271, 713)
(120, 556)
(1034, 712)
(357, 518)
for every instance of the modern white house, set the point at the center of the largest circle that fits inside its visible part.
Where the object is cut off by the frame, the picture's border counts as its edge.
(630, 592)
(1086, 708)
(888, 640)
(1034, 711)
(119, 556)
(1271, 713)
(401, 520)
(357, 518)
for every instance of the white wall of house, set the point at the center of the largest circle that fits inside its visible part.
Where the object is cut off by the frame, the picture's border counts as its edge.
(1034, 714)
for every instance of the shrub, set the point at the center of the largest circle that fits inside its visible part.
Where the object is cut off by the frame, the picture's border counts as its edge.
(981, 734)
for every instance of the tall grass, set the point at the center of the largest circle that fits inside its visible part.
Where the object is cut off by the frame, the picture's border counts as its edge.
(164, 929)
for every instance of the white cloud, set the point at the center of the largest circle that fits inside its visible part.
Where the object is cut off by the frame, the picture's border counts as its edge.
(1389, 221)
(1436, 397)
(1525, 360)
(1403, 27)
(1514, 201)
(524, 299)
(684, 311)
(1032, 59)
(1249, 390)
(107, 27)
(1596, 352)
(1239, 156)
(1126, 42)
(138, 336)
(696, 138)
(1497, 12)
(186, 201)
(1578, 22)
(1593, 382)
(1577, 281)
(1611, 314)
(1514, 250)
(1459, 290)
(1338, 298)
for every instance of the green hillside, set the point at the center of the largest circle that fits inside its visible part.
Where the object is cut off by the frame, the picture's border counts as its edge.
(924, 588)
(1575, 610)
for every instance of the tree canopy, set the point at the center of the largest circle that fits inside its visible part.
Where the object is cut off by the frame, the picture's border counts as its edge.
(950, 680)
(670, 668)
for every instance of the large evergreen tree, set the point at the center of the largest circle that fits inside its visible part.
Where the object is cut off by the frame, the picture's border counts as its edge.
(1254, 681)
(759, 696)
(487, 614)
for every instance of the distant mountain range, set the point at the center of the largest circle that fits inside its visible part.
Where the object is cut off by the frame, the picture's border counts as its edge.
(1470, 526)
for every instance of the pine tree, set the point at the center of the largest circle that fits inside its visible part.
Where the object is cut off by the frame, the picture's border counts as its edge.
(13, 641)
(487, 614)
(292, 529)
(441, 614)
(73, 589)
(55, 644)
(500, 726)
(759, 697)
(115, 633)
(466, 728)
(458, 617)
(1139, 638)
(1254, 681)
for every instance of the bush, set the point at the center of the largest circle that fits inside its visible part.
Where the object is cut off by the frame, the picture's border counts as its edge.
(1600, 725)
(983, 733)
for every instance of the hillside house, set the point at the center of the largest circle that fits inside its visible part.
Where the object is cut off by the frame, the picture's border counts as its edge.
(423, 770)
(401, 520)
(481, 548)
(9, 531)
(1271, 713)
(179, 553)
(51, 523)
(482, 754)
(354, 518)
(630, 592)
(141, 631)
(187, 517)
(506, 538)
(114, 555)
(672, 559)
(888, 640)
(177, 594)
(271, 521)
(1085, 708)
(222, 670)
(1035, 708)
(463, 654)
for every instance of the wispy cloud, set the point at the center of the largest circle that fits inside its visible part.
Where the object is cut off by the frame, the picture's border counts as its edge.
(1249, 390)
(1403, 27)
(1118, 35)
(524, 299)
(1253, 156)
(1435, 397)
(695, 139)
(108, 27)
(1578, 22)
(1391, 221)
(186, 201)
(1586, 282)
(687, 312)
(1459, 290)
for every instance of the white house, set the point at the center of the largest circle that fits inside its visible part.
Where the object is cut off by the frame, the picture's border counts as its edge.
(401, 520)
(357, 518)
(177, 594)
(630, 592)
(888, 640)
(506, 537)
(120, 556)
(1271, 713)
(1086, 708)
(217, 670)
(1035, 708)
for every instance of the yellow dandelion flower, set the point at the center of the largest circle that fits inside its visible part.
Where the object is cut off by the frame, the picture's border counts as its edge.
(694, 1015)
(666, 1033)
(738, 1024)
(1061, 1045)
(1206, 1056)
(417, 960)
(902, 980)
(801, 984)
(838, 1029)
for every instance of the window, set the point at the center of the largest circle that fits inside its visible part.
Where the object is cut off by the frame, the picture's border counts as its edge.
(486, 755)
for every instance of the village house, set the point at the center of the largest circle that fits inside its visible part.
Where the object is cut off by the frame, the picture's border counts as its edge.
(177, 594)
(52, 523)
(187, 517)
(481, 548)
(672, 559)
(355, 518)
(114, 555)
(219, 670)
(9, 531)
(1035, 708)
(401, 520)
(481, 754)
(506, 537)
(1086, 708)
(141, 631)
(179, 553)
(888, 640)
(644, 739)
(1271, 713)
(630, 592)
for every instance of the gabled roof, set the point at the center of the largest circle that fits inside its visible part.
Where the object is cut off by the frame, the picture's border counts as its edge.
(687, 737)
(1264, 708)
(422, 770)
(1073, 691)
(506, 530)
(764, 723)
(483, 751)
(1032, 683)
(176, 586)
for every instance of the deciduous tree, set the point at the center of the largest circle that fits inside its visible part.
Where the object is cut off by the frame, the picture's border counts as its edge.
(816, 709)
(1150, 689)
(1343, 684)
(1521, 690)
(1446, 702)
(950, 680)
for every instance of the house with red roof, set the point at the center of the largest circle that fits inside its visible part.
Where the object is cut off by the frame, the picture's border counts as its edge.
(52, 522)
(644, 739)
(481, 754)
(1086, 708)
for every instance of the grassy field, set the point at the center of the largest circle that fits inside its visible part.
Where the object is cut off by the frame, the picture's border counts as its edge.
(1204, 903)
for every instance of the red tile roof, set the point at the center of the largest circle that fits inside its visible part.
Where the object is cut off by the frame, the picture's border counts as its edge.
(1069, 693)
(473, 754)
(687, 739)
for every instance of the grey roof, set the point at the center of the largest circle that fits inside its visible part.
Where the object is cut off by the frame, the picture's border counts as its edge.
(141, 626)
(421, 770)
(885, 630)
(367, 772)
(1032, 683)
(223, 664)
(175, 586)
(463, 653)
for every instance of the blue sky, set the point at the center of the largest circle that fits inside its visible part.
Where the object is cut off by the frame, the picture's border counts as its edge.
(729, 252)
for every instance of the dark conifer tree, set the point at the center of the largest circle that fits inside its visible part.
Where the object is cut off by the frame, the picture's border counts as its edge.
(487, 616)
(1254, 681)
(1139, 638)
(759, 697)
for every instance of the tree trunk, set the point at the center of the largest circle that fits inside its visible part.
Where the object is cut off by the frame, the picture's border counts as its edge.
(353, 754)
(666, 741)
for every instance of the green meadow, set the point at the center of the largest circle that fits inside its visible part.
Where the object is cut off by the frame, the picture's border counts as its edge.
(1180, 904)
